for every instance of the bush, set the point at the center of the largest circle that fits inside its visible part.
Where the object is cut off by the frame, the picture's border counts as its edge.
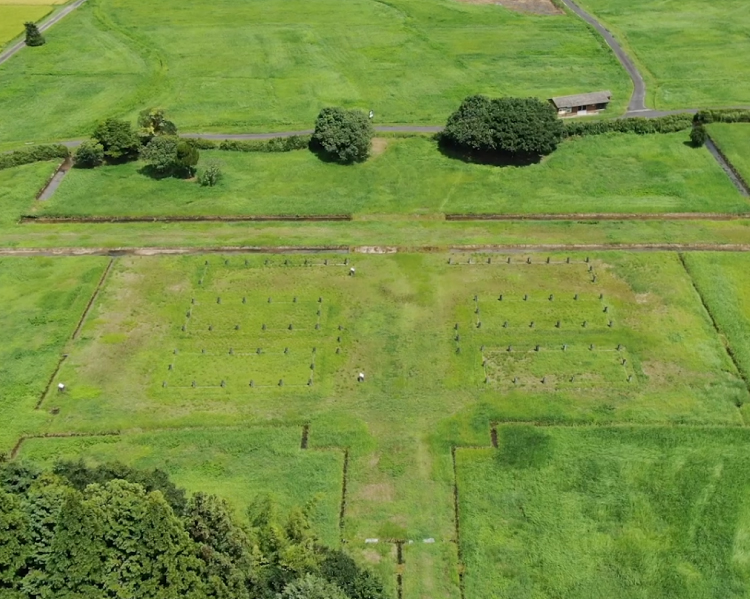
(519, 128)
(153, 122)
(210, 175)
(727, 115)
(342, 135)
(33, 154)
(89, 154)
(642, 126)
(698, 136)
(169, 155)
(275, 144)
(118, 139)
(202, 144)
(33, 36)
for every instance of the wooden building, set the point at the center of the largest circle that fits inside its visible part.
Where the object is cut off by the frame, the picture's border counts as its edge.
(582, 104)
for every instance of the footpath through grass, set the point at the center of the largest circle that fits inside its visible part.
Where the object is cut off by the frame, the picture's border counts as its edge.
(608, 174)
(234, 66)
(590, 513)
(692, 53)
(734, 141)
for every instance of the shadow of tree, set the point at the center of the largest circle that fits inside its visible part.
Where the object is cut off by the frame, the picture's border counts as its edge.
(491, 158)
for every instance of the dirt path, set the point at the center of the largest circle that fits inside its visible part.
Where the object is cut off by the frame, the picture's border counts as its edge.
(14, 49)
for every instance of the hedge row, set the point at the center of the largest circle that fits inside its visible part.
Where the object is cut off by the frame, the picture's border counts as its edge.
(33, 154)
(640, 125)
(727, 115)
(275, 144)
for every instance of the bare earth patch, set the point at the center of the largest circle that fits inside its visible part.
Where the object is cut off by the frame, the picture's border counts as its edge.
(382, 492)
(537, 7)
(379, 144)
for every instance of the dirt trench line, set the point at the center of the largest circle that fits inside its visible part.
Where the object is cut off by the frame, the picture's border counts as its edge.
(57, 220)
(606, 216)
(734, 175)
(23, 438)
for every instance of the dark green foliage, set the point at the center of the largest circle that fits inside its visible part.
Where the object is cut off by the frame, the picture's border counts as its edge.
(727, 115)
(89, 154)
(698, 136)
(523, 447)
(33, 154)
(210, 175)
(118, 139)
(33, 36)
(275, 144)
(342, 135)
(521, 128)
(79, 476)
(153, 122)
(357, 583)
(311, 587)
(170, 155)
(642, 126)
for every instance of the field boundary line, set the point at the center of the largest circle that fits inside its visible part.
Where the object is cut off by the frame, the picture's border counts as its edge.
(608, 216)
(92, 299)
(52, 377)
(722, 336)
(726, 165)
(56, 220)
(23, 438)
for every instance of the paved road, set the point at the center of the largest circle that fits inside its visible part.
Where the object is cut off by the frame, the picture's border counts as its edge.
(13, 50)
(638, 98)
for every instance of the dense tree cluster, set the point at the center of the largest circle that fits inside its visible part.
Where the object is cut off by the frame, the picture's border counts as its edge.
(516, 128)
(342, 135)
(112, 531)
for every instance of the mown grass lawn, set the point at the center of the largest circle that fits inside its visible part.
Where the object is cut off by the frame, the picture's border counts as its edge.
(734, 141)
(691, 52)
(237, 464)
(613, 173)
(606, 512)
(42, 299)
(273, 64)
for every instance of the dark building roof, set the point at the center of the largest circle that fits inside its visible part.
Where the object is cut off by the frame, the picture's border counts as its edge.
(582, 99)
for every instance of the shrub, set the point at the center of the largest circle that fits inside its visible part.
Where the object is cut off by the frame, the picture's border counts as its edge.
(33, 154)
(727, 115)
(89, 154)
(342, 135)
(520, 128)
(210, 175)
(698, 136)
(118, 139)
(642, 126)
(153, 122)
(34, 37)
(169, 155)
(275, 144)
(202, 144)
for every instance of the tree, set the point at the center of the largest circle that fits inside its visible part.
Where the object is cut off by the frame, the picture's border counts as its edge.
(187, 159)
(343, 135)
(356, 582)
(15, 542)
(698, 136)
(311, 587)
(89, 154)
(34, 37)
(118, 139)
(169, 155)
(153, 122)
(516, 128)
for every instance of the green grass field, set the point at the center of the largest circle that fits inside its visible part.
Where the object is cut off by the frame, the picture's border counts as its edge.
(734, 142)
(238, 464)
(272, 65)
(691, 52)
(13, 16)
(618, 173)
(606, 512)
(42, 300)
(18, 188)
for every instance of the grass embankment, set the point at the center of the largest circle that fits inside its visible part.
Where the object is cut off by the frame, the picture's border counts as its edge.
(237, 66)
(734, 142)
(609, 174)
(42, 300)
(236, 464)
(556, 512)
(692, 53)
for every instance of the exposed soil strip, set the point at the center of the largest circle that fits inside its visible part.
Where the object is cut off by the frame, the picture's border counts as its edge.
(493, 435)
(56, 220)
(92, 299)
(176, 251)
(49, 382)
(54, 182)
(717, 329)
(305, 434)
(582, 216)
(638, 97)
(342, 511)
(457, 522)
(728, 167)
(15, 48)
(19, 443)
